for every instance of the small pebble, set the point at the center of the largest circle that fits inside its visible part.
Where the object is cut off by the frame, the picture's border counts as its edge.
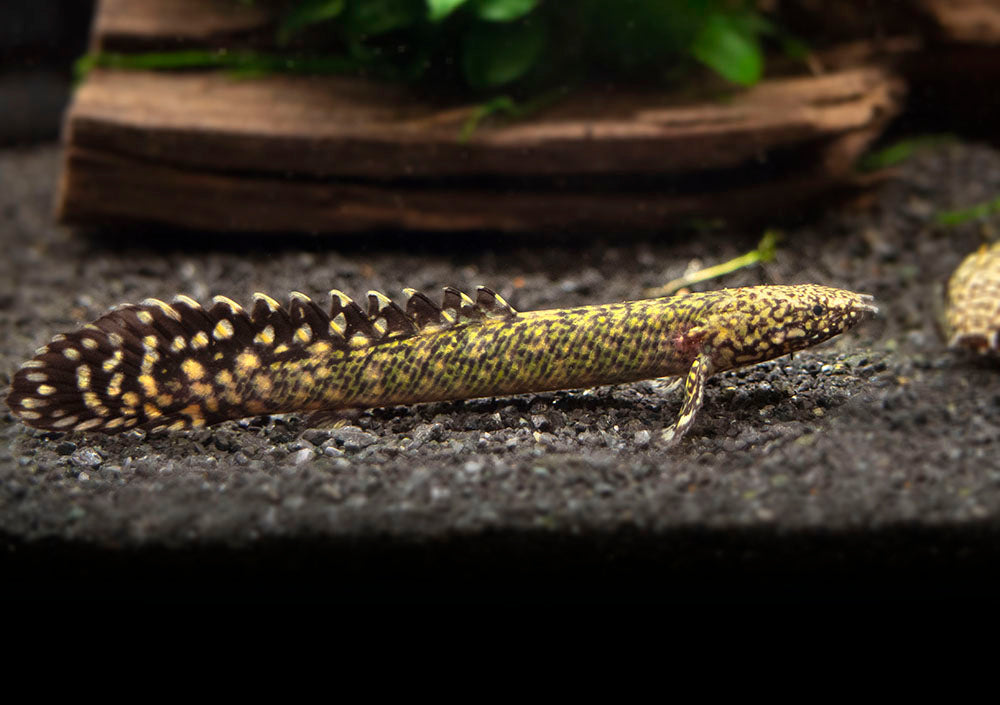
(316, 436)
(225, 443)
(353, 438)
(86, 457)
(428, 432)
(604, 489)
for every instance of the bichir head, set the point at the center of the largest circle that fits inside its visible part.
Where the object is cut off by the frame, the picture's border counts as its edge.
(758, 323)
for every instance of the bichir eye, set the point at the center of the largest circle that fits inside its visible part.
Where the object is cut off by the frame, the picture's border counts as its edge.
(818, 310)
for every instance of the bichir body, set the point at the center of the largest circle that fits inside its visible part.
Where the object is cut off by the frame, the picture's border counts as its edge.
(173, 366)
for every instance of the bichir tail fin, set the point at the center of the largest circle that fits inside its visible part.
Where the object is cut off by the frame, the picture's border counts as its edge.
(176, 365)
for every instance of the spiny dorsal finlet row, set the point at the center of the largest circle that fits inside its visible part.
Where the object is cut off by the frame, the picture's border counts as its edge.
(304, 321)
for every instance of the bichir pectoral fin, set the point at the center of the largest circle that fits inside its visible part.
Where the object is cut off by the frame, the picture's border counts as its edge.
(694, 392)
(331, 418)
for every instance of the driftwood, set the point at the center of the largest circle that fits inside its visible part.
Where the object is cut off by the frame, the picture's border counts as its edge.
(110, 189)
(205, 150)
(150, 25)
(966, 21)
(332, 126)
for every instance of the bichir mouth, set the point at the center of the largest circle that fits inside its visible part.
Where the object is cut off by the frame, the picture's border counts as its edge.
(867, 304)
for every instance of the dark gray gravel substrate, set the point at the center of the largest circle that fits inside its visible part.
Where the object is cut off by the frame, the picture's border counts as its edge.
(864, 468)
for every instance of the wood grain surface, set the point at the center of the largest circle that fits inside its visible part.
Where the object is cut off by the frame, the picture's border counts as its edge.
(203, 149)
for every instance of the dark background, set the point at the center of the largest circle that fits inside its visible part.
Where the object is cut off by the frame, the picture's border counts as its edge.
(39, 41)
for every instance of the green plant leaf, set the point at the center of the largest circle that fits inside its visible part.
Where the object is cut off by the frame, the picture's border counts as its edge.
(723, 45)
(902, 150)
(495, 54)
(437, 10)
(504, 10)
(794, 48)
(308, 13)
(964, 215)
(500, 104)
(490, 44)
(244, 63)
(374, 17)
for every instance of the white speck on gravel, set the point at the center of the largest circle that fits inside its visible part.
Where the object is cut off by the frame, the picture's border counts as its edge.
(86, 457)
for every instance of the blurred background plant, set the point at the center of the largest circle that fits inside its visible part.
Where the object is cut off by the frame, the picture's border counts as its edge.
(487, 44)
(524, 47)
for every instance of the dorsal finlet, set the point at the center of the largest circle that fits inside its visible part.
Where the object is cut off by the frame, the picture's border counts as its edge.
(377, 301)
(356, 324)
(310, 322)
(234, 307)
(492, 304)
(163, 306)
(187, 301)
(341, 297)
(387, 318)
(460, 303)
(271, 304)
(421, 310)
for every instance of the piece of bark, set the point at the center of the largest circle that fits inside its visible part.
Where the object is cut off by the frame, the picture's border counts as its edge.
(965, 21)
(101, 188)
(203, 150)
(345, 127)
(152, 25)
